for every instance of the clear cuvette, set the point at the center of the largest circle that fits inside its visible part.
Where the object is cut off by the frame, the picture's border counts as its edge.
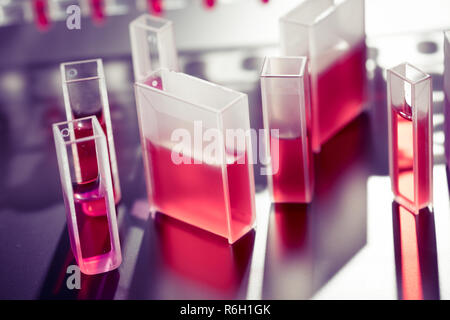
(410, 136)
(152, 45)
(197, 152)
(447, 94)
(287, 123)
(91, 214)
(331, 34)
(84, 90)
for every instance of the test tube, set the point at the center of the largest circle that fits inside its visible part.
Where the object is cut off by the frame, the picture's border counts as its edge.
(197, 152)
(447, 94)
(331, 34)
(84, 90)
(90, 211)
(409, 96)
(152, 45)
(287, 123)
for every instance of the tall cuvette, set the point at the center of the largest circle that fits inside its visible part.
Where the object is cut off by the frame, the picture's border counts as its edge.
(409, 94)
(287, 124)
(85, 94)
(90, 208)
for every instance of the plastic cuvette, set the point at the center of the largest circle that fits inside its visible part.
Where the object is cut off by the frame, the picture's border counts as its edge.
(287, 119)
(331, 34)
(152, 45)
(84, 90)
(447, 94)
(197, 152)
(90, 210)
(409, 93)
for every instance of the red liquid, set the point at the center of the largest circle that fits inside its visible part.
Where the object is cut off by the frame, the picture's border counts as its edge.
(405, 157)
(293, 181)
(93, 231)
(92, 221)
(183, 249)
(87, 156)
(195, 193)
(407, 185)
(209, 3)
(98, 8)
(155, 6)
(410, 262)
(40, 10)
(338, 95)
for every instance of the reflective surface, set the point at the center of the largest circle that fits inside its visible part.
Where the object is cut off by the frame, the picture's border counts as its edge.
(350, 242)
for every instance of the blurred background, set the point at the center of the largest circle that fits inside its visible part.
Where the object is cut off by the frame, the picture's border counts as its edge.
(352, 241)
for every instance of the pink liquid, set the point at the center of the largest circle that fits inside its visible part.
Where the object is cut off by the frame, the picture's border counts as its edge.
(338, 95)
(41, 18)
(87, 154)
(92, 221)
(410, 262)
(406, 185)
(155, 6)
(209, 4)
(293, 181)
(183, 249)
(93, 231)
(98, 8)
(195, 193)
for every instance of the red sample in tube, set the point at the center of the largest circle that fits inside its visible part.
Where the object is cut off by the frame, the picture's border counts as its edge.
(209, 3)
(90, 210)
(85, 95)
(410, 136)
(155, 6)
(340, 87)
(98, 10)
(289, 182)
(41, 19)
(332, 35)
(286, 111)
(195, 171)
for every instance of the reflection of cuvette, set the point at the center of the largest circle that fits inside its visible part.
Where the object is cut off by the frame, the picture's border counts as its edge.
(204, 257)
(415, 254)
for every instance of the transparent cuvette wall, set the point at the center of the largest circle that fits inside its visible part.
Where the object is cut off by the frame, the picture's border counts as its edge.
(194, 172)
(287, 121)
(90, 208)
(152, 45)
(410, 136)
(331, 34)
(84, 90)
